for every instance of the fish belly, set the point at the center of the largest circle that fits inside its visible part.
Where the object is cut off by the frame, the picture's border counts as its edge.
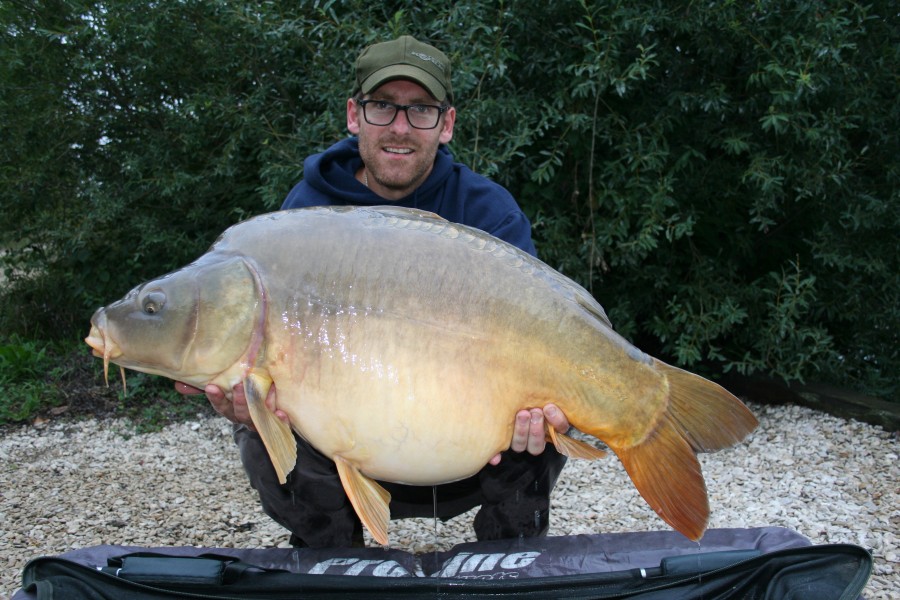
(402, 403)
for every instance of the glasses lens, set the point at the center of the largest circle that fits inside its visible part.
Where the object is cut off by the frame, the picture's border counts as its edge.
(423, 116)
(379, 113)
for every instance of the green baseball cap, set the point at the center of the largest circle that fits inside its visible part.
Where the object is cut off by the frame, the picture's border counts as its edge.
(404, 58)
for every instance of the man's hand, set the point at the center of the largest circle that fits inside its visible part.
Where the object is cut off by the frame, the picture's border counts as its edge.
(235, 410)
(529, 429)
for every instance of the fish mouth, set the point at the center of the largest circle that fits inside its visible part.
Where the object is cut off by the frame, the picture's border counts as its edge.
(102, 346)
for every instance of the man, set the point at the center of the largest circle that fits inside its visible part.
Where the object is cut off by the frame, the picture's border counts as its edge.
(402, 117)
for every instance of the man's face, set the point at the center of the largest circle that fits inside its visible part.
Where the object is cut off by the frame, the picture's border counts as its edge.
(398, 157)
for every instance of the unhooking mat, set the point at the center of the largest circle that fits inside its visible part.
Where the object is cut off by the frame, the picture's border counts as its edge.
(768, 562)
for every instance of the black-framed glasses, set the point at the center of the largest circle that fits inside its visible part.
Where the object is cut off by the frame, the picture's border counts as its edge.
(419, 116)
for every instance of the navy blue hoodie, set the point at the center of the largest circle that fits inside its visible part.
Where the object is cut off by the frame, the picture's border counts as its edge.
(451, 190)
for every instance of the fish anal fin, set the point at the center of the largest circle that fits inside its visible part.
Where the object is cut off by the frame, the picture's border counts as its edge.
(573, 448)
(370, 500)
(666, 473)
(275, 433)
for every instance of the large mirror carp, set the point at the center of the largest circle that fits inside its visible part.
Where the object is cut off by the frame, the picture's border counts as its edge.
(401, 346)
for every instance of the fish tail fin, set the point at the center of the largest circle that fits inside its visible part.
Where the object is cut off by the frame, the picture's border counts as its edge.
(275, 433)
(701, 417)
(709, 416)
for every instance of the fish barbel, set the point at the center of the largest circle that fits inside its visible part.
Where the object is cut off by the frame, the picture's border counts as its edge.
(401, 346)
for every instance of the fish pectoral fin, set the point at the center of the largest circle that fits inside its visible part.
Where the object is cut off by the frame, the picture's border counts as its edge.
(573, 448)
(275, 433)
(369, 499)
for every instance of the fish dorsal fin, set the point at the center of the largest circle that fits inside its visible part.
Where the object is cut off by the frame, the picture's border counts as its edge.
(573, 448)
(402, 212)
(369, 499)
(586, 301)
(275, 433)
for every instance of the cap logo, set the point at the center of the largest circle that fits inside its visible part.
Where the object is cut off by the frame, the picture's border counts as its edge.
(428, 58)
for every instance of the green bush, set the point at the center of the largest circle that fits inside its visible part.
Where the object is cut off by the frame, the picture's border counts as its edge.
(723, 177)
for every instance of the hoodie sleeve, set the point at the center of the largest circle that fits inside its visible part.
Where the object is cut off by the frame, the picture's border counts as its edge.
(516, 229)
(303, 196)
(328, 179)
(486, 205)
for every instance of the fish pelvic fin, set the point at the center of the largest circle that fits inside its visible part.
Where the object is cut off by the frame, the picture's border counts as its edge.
(702, 416)
(275, 433)
(369, 499)
(573, 448)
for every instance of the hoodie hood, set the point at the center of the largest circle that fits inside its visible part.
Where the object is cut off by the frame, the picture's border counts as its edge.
(333, 175)
(451, 190)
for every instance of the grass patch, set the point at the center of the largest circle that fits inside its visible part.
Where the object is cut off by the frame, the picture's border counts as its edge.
(43, 380)
(27, 375)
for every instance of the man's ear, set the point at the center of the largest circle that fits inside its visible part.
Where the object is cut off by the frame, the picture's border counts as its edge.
(352, 116)
(447, 126)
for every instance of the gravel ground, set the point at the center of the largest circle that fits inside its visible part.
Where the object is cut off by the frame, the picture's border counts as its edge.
(70, 484)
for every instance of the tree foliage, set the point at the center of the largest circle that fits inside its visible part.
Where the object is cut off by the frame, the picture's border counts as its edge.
(722, 176)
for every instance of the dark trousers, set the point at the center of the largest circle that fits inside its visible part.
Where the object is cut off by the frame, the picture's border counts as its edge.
(514, 496)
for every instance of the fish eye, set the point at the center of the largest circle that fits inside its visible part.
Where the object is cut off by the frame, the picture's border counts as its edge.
(153, 303)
